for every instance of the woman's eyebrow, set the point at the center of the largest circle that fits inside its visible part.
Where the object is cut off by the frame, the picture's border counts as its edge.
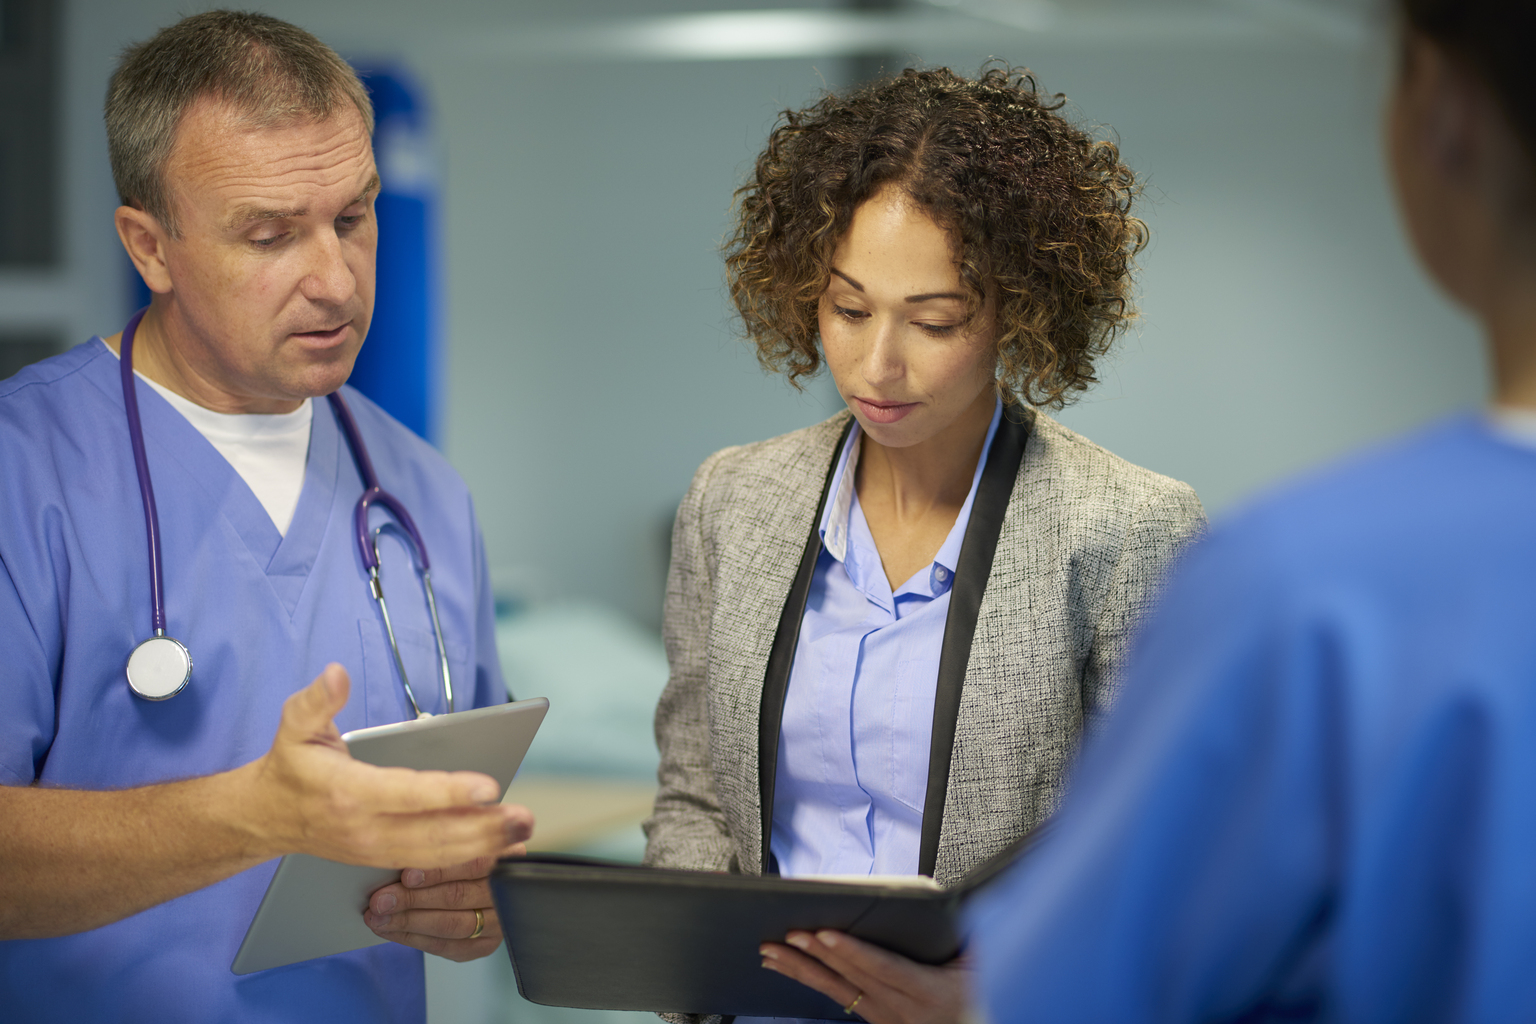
(850, 280)
(910, 298)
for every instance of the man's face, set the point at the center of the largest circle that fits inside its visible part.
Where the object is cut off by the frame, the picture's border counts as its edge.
(272, 278)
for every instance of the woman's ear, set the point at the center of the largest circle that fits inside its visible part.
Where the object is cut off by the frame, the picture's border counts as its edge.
(145, 239)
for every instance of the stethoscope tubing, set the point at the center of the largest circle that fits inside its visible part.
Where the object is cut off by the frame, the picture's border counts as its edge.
(372, 492)
(141, 466)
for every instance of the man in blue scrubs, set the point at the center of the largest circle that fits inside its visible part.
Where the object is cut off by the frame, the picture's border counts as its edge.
(138, 836)
(1316, 799)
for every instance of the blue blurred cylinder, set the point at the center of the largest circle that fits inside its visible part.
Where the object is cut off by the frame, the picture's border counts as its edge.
(398, 366)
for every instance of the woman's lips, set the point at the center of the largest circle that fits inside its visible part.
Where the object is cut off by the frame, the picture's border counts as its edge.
(884, 412)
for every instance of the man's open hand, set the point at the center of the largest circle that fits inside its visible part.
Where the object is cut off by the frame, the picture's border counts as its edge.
(309, 795)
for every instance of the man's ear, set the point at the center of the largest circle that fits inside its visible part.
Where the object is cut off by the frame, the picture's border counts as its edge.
(145, 239)
(1449, 109)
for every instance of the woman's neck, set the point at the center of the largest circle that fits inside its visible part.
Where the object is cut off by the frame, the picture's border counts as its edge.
(918, 480)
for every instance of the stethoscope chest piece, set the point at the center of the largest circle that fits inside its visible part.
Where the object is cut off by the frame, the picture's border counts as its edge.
(158, 668)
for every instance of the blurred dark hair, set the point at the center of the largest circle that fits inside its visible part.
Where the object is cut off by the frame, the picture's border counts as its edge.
(1038, 208)
(1496, 38)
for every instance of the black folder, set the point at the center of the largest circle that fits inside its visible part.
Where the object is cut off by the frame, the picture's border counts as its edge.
(608, 936)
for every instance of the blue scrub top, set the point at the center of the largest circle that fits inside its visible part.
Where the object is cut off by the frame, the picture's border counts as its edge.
(1316, 798)
(262, 614)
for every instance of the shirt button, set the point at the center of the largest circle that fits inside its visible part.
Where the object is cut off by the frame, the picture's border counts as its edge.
(940, 573)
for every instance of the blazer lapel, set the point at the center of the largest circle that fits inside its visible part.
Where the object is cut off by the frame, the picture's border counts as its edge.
(781, 658)
(993, 495)
(769, 512)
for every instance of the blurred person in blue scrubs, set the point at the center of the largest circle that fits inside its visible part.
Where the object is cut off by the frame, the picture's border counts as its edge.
(886, 630)
(140, 835)
(1317, 798)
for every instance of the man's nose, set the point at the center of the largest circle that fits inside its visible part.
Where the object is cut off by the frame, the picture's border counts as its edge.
(328, 277)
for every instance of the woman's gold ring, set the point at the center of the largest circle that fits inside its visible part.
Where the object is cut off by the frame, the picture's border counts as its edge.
(480, 926)
(849, 1008)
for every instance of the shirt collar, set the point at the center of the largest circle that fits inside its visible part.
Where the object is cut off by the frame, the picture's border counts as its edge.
(834, 520)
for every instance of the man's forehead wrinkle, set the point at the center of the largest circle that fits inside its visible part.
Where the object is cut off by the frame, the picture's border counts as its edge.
(222, 159)
(211, 145)
(244, 184)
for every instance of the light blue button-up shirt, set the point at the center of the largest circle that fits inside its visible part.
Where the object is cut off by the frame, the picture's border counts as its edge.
(858, 717)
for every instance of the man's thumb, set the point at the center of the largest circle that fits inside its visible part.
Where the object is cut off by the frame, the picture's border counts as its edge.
(314, 706)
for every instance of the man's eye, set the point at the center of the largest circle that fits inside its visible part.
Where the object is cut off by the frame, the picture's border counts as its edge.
(351, 221)
(267, 243)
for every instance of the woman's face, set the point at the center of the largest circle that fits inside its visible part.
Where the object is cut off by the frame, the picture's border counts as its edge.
(893, 325)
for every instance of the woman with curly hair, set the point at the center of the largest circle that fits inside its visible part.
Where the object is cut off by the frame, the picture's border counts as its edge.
(886, 631)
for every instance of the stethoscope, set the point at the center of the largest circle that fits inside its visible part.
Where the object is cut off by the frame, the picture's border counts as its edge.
(161, 667)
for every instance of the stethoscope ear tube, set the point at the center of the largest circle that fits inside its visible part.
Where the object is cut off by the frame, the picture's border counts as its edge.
(160, 667)
(141, 466)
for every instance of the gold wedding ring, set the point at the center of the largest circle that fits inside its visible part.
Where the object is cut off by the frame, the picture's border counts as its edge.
(480, 926)
(849, 1008)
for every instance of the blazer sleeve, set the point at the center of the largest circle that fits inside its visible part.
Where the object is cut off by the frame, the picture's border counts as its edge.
(1164, 525)
(687, 829)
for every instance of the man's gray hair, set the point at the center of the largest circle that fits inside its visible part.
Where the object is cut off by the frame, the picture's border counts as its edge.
(273, 73)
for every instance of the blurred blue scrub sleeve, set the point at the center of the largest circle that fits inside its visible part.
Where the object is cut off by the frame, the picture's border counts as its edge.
(262, 613)
(1316, 798)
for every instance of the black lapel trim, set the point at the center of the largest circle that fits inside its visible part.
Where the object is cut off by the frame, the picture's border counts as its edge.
(975, 566)
(781, 659)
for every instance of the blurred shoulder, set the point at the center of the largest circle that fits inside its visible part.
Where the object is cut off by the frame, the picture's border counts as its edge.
(1415, 499)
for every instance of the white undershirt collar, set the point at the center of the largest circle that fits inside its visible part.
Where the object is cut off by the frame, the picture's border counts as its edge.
(268, 450)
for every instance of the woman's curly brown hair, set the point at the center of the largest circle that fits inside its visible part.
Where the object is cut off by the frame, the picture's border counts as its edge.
(1039, 209)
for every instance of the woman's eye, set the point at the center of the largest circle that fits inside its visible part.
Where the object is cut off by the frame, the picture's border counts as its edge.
(854, 315)
(938, 330)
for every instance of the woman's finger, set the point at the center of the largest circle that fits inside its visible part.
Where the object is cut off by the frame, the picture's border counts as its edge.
(809, 972)
(863, 964)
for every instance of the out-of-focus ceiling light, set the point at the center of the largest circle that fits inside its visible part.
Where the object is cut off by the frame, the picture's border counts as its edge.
(785, 33)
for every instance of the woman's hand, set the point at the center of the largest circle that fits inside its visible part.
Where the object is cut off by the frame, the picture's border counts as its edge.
(880, 986)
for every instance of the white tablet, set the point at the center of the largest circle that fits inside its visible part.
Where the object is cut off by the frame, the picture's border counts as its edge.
(314, 907)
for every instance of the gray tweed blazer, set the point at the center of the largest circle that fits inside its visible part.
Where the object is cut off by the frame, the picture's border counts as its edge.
(1085, 542)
